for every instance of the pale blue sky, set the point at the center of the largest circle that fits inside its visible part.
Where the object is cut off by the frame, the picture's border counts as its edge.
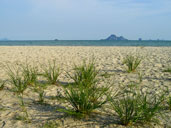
(85, 19)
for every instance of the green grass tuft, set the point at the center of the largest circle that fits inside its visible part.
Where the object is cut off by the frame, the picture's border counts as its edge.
(17, 80)
(167, 69)
(51, 72)
(85, 96)
(132, 62)
(84, 100)
(50, 124)
(39, 88)
(169, 102)
(19, 84)
(30, 73)
(2, 84)
(137, 107)
(85, 74)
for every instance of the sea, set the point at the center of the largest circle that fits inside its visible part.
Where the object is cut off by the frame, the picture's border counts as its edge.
(153, 43)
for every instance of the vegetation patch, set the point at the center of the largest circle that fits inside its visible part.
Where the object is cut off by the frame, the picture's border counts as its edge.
(51, 72)
(168, 69)
(169, 102)
(132, 62)
(30, 73)
(39, 88)
(85, 96)
(2, 84)
(85, 74)
(136, 106)
(19, 84)
(50, 124)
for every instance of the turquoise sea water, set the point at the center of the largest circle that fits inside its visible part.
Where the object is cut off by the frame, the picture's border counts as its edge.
(84, 43)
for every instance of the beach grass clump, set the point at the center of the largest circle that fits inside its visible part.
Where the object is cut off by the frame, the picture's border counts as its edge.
(39, 88)
(169, 102)
(50, 124)
(168, 69)
(137, 107)
(84, 96)
(19, 84)
(51, 72)
(132, 62)
(2, 84)
(30, 73)
(85, 74)
(17, 80)
(84, 100)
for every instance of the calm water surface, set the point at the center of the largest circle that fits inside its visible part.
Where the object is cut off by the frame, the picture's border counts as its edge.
(84, 43)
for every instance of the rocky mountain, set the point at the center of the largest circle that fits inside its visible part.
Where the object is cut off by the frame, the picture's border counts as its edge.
(114, 37)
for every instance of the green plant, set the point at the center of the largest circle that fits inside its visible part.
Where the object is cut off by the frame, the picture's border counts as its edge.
(84, 95)
(2, 84)
(51, 72)
(85, 74)
(168, 69)
(19, 86)
(169, 102)
(17, 80)
(132, 62)
(135, 107)
(84, 100)
(29, 73)
(22, 118)
(50, 124)
(140, 77)
(39, 88)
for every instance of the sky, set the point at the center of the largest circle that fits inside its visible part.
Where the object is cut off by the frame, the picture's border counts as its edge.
(84, 19)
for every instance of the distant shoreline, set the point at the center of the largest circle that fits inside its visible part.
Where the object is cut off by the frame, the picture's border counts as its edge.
(148, 43)
(82, 40)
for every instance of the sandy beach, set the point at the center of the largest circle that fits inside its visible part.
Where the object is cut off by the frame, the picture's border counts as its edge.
(108, 59)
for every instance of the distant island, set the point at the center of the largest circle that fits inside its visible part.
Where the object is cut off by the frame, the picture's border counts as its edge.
(140, 39)
(114, 37)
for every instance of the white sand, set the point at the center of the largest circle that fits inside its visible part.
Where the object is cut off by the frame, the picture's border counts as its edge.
(109, 59)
